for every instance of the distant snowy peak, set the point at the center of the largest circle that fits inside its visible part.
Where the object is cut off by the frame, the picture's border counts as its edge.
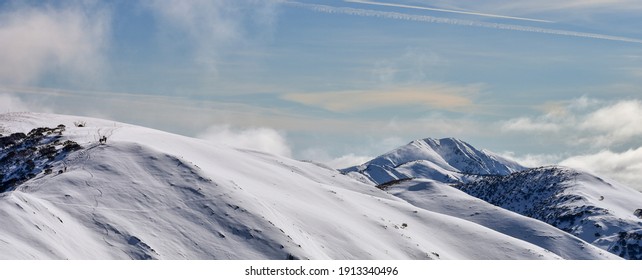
(446, 160)
(467, 159)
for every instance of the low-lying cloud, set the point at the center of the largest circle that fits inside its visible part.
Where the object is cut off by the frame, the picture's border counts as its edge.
(337, 162)
(532, 160)
(600, 128)
(625, 167)
(597, 124)
(524, 124)
(615, 124)
(261, 139)
(10, 103)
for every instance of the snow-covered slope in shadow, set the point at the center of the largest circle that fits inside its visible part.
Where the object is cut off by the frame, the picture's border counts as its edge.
(150, 194)
(602, 212)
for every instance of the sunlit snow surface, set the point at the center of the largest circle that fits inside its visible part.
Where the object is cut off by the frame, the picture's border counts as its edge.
(147, 194)
(445, 160)
(451, 177)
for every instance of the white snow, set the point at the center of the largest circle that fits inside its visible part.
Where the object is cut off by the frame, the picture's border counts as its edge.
(152, 194)
(442, 198)
(598, 211)
(446, 160)
(424, 172)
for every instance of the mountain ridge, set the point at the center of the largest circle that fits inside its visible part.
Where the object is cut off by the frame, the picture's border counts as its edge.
(598, 211)
(447, 160)
(148, 194)
(560, 196)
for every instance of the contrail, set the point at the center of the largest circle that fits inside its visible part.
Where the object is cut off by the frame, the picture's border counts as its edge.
(461, 22)
(445, 10)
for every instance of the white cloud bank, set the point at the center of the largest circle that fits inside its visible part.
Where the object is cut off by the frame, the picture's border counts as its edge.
(585, 122)
(348, 160)
(616, 123)
(524, 124)
(261, 139)
(321, 156)
(594, 125)
(365, 152)
(531, 160)
(38, 41)
(272, 141)
(625, 167)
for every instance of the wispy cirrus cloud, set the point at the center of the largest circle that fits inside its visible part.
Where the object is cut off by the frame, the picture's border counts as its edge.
(411, 66)
(446, 10)
(554, 5)
(436, 96)
(210, 27)
(460, 22)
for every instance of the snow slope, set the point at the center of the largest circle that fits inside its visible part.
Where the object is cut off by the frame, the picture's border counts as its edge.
(147, 194)
(442, 198)
(596, 210)
(507, 197)
(445, 160)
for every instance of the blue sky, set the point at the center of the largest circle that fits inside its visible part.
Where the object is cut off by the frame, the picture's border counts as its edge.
(340, 81)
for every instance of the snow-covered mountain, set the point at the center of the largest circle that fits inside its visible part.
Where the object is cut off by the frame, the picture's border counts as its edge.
(147, 194)
(443, 198)
(445, 160)
(604, 213)
(442, 175)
